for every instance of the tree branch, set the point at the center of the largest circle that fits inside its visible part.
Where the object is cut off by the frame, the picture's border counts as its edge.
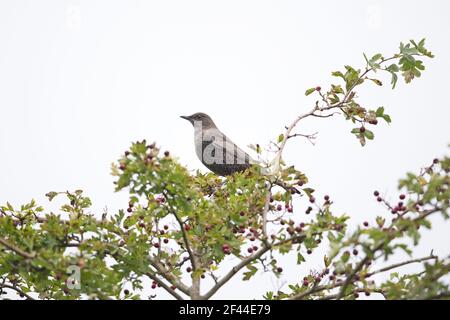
(361, 264)
(164, 285)
(18, 290)
(247, 261)
(17, 250)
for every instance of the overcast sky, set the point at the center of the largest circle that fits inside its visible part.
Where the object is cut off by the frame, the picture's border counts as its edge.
(80, 80)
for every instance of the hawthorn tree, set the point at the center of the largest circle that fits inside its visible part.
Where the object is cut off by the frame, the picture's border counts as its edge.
(179, 228)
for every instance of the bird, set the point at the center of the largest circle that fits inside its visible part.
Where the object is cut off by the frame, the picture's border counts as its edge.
(214, 149)
(221, 155)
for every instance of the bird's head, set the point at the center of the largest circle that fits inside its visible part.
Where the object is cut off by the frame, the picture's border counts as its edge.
(202, 118)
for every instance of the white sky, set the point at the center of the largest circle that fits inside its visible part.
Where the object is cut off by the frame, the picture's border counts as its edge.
(80, 80)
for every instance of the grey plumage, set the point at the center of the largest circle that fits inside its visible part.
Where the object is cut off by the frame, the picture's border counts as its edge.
(214, 149)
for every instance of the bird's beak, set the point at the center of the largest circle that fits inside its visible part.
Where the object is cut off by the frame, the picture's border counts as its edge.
(186, 118)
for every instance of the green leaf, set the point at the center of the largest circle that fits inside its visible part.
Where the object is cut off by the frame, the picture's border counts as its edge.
(376, 81)
(369, 134)
(300, 258)
(309, 91)
(387, 118)
(379, 112)
(51, 195)
(337, 74)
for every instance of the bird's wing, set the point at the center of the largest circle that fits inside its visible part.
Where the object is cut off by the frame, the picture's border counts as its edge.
(231, 150)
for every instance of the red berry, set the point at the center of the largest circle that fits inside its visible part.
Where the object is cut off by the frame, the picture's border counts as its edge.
(290, 210)
(153, 286)
(362, 129)
(305, 282)
(226, 248)
(318, 88)
(122, 166)
(312, 199)
(187, 227)
(242, 213)
(250, 250)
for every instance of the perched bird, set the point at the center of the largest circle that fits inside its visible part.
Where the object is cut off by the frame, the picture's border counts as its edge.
(214, 149)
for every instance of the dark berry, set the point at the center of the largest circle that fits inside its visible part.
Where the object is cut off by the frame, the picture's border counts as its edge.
(376, 193)
(327, 198)
(166, 153)
(436, 161)
(402, 197)
(126, 292)
(379, 199)
(309, 251)
(166, 241)
(366, 224)
(362, 129)
(318, 88)
(279, 269)
(129, 210)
